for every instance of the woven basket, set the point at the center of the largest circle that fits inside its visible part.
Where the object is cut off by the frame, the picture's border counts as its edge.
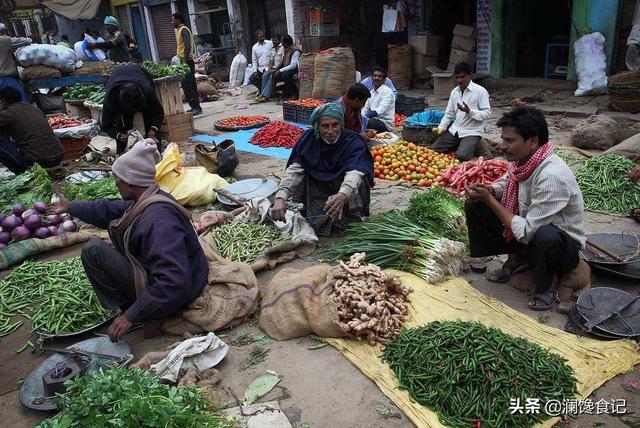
(74, 147)
(624, 99)
(627, 79)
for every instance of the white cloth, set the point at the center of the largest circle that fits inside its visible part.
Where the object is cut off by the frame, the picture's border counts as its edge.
(276, 57)
(260, 55)
(467, 124)
(201, 353)
(295, 59)
(383, 102)
(549, 196)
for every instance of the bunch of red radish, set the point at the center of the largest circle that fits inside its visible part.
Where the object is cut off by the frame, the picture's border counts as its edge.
(472, 172)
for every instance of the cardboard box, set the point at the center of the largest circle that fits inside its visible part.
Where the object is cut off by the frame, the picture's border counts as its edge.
(426, 45)
(465, 31)
(463, 43)
(457, 56)
(443, 81)
(177, 127)
(421, 62)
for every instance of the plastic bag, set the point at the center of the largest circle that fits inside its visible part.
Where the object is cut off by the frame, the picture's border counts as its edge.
(86, 54)
(425, 118)
(190, 186)
(56, 56)
(591, 64)
(218, 159)
(236, 73)
(247, 74)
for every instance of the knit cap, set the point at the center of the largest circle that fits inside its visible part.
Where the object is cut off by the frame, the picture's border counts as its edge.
(110, 20)
(138, 166)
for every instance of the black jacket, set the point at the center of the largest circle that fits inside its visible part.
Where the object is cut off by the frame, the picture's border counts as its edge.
(115, 118)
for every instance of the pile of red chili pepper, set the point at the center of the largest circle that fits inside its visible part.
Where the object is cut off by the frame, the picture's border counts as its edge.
(399, 119)
(277, 134)
(308, 102)
(242, 121)
(480, 171)
(63, 121)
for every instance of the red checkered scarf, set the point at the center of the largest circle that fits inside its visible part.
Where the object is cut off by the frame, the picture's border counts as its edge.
(518, 173)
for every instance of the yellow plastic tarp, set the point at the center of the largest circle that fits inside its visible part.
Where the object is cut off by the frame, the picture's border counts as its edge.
(593, 361)
(190, 186)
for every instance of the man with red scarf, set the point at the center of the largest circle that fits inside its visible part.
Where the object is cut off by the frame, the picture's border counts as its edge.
(352, 104)
(534, 212)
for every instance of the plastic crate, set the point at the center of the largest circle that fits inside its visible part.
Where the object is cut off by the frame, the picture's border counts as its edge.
(409, 105)
(296, 113)
(322, 17)
(324, 30)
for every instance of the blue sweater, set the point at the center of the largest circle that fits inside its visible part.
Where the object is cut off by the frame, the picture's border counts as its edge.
(165, 244)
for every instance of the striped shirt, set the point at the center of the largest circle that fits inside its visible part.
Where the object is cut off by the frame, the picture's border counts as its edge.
(549, 196)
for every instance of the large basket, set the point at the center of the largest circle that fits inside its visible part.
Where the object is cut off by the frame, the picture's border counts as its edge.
(409, 105)
(296, 113)
(624, 99)
(74, 147)
(626, 79)
(421, 135)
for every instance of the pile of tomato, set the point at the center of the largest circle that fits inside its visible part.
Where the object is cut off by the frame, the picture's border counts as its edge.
(242, 121)
(411, 163)
(399, 119)
(308, 102)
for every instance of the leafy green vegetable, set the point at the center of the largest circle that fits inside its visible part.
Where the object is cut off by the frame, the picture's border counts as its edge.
(28, 188)
(157, 71)
(440, 212)
(120, 397)
(93, 191)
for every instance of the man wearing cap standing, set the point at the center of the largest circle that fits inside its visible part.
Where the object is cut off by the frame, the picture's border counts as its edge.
(155, 266)
(115, 43)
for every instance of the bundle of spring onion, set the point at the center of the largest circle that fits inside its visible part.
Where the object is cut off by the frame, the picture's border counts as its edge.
(390, 240)
(439, 211)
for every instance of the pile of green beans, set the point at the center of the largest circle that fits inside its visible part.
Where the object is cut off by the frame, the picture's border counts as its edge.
(468, 373)
(56, 296)
(605, 184)
(245, 242)
(568, 156)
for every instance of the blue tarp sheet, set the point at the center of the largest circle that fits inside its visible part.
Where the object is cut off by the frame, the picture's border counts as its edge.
(425, 118)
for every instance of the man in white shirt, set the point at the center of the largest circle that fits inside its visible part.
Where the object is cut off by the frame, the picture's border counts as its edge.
(290, 59)
(380, 109)
(368, 82)
(469, 106)
(260, 54)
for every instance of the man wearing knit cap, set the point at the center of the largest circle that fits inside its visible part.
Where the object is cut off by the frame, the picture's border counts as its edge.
(115, 42)
(156, 265)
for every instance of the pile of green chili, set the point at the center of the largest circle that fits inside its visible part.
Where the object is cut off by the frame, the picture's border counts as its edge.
(605, 184)
(56, 296)
(245, 242)
(469, 373)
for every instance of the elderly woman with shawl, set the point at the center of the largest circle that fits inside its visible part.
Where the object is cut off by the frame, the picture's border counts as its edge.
(330, 171)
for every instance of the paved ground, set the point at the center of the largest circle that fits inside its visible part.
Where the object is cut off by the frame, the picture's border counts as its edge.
(320, 387)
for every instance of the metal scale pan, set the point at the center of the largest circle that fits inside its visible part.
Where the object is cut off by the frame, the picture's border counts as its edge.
(625, 245)
(611, 311)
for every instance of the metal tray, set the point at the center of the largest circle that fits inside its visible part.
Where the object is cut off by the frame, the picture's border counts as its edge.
(621, 244)
(66, 335)
(630, 271)
(33, 388)
(600, 300)
(249, 189)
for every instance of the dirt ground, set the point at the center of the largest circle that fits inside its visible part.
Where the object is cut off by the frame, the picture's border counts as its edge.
(320, 388)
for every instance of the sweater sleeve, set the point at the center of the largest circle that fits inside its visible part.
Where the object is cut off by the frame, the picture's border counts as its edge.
(186, 38)
(154, 114)
(169, 275)
(292, 178)
(99, 213)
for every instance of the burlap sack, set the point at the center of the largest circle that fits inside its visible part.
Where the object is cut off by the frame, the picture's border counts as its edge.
(400, 66)
(36, 72)
(629, 148)
(570, 288)
(598, 132)
(334, 70)
(206, 88)
(305, 74)
(297, 303)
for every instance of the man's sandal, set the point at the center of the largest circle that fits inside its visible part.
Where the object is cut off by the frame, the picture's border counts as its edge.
(635, 214)
(542, 302)
(500, 276)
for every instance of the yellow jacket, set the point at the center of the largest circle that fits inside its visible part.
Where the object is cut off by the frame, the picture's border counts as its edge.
(184, 40)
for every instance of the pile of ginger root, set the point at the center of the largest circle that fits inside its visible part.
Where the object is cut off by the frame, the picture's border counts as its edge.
(371, 303)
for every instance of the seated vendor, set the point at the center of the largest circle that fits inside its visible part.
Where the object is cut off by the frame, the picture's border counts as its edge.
(25, 135)
(156, 265)
(534, 212)
(352, 104)
(130, 90)
(380, 109)
(330, 171)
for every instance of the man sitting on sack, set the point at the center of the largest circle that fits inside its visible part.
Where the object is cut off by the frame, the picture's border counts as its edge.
(469, 107)
(156, 265)
(130, 90)
(534, 213)
(330, 171)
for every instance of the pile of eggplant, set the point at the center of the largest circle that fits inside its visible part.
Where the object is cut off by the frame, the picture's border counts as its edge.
(25, 223)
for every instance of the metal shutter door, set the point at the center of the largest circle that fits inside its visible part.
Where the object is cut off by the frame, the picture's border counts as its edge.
(123, 17)
(277, 17)
(164, 31)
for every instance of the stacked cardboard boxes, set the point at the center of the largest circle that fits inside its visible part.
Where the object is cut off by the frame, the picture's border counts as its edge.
(426, 49)
(463, 46)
